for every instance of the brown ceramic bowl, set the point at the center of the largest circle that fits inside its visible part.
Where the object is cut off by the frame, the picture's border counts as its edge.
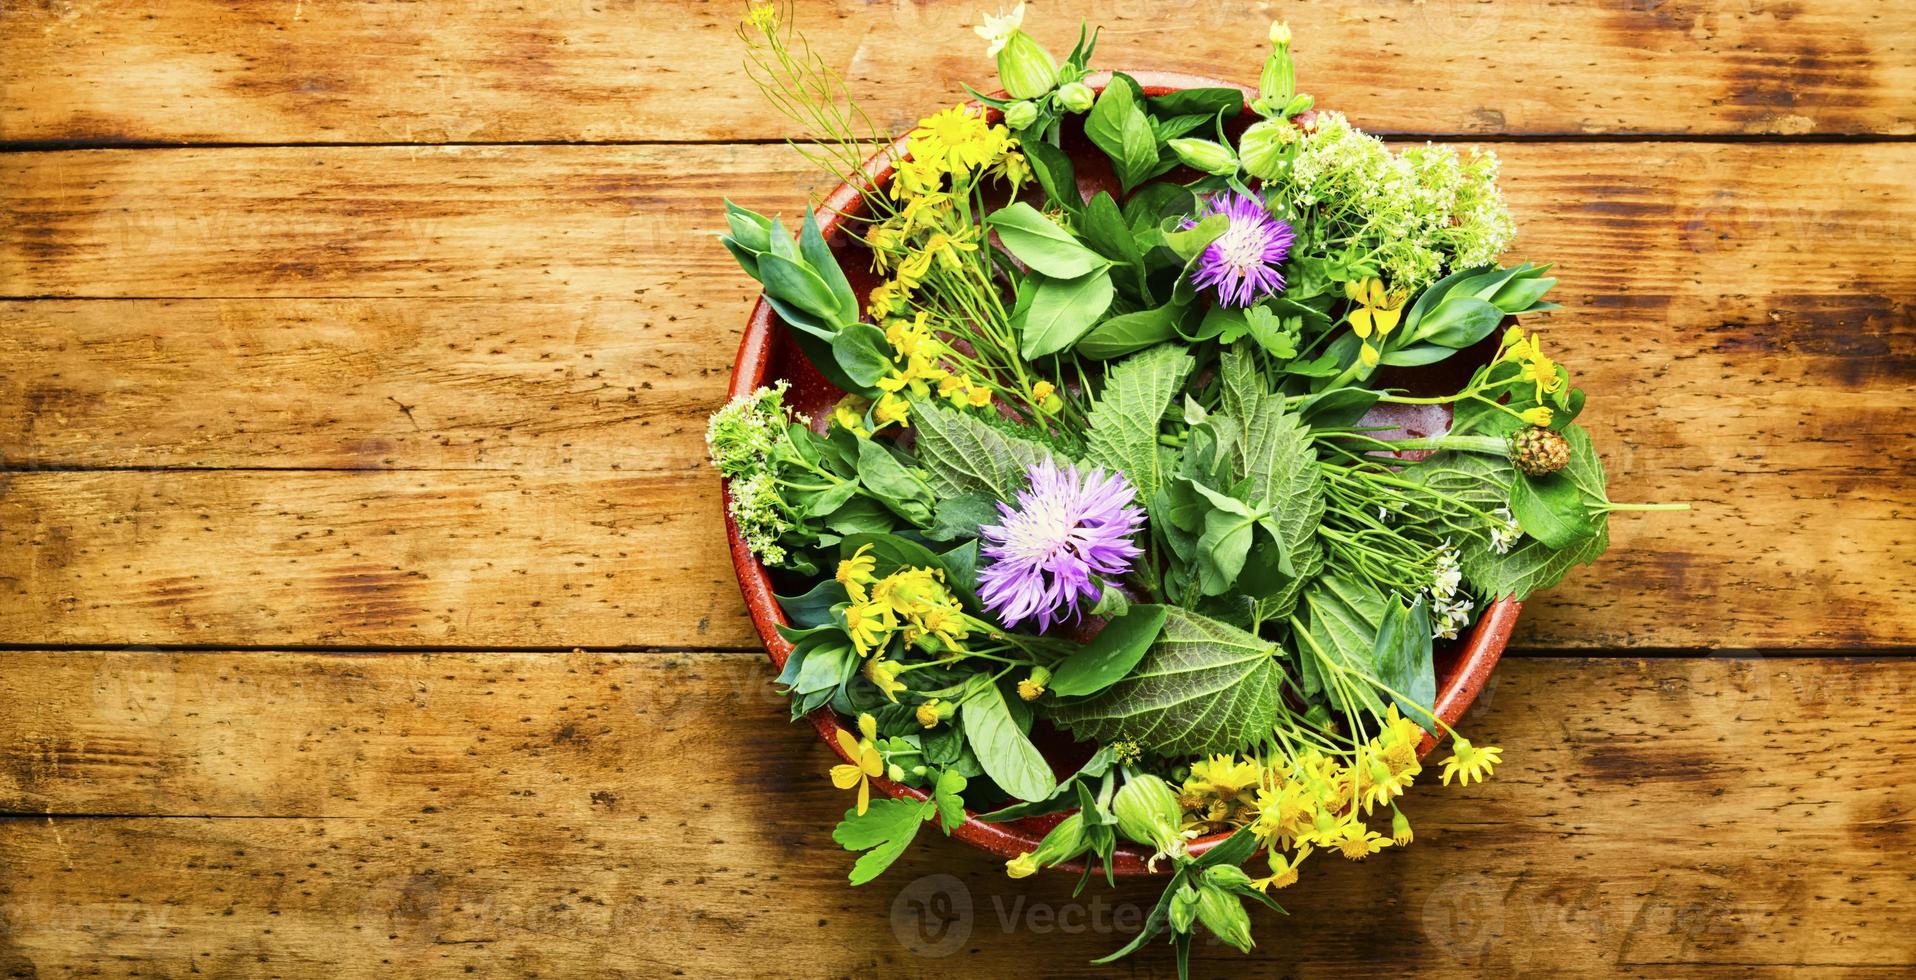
(767, 354)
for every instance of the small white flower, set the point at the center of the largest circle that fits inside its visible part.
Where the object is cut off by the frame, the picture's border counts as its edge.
(1504, 533)
(999, 29)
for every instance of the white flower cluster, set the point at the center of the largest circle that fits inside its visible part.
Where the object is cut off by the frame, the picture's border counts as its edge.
(1423, 210)
(1450, 606)
(743, 438)
(1504, 533)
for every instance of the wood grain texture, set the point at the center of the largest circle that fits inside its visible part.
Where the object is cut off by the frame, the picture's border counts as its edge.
(366, 558)
(643, 814)
(439, 71)
(1746, 347)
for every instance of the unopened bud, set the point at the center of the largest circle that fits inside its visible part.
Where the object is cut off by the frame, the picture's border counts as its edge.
(1077, 97)
(1205, 155)
(1025, 68)
(1021, 114)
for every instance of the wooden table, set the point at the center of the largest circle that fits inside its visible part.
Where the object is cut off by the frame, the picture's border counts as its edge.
(364, 601)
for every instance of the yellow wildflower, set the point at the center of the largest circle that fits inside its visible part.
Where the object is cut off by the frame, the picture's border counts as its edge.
(916, 178)
(1468, 762)
(1378, 309)
(980, 397)
(892, 410)
(1013, 168)
(1224, 776)
(762, 17)
(1533, 366)
(1368, 355)
(1400, 833)
(1023, 866)
(884, 675)
(1284, 813)
(856, 572)
(870, 625)
(1355, 841)
(957, 139)
(1032, 687)
(847, 416)
(1541, 415)
(1283, 869)
(865, 763)
(887, 299)
(931, 713)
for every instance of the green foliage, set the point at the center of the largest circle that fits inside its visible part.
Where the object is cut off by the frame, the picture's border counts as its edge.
(1203, 687)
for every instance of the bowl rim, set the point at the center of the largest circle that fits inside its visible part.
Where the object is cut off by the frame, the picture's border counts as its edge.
(1457, 690)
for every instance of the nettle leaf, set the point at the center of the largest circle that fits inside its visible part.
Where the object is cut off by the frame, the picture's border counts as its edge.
(1533, 565)
(963, 455)
(1040, 243)
(883, 832)
(1275, 454)
(1203, 687)
(1344, 617)
(1123, 425)
(1002, 746)
(961, 516)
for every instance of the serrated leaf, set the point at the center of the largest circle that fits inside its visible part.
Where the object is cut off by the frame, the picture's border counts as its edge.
(963, 455)
(1123, 424)
(947, 794)
(1276, 455)
(1203, 687)
(1532, 565)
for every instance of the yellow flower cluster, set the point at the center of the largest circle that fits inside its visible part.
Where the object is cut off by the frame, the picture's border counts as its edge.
(1315, 801)
(911, 602)
(1534, 368)
(918, 366)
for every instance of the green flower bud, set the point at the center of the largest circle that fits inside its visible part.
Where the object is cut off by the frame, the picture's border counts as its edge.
(1077, 97)
(1065, 841)
(1021, 114)
(1205, 155)
(1265, 148)
(1279, 79)
(1025, 68)
(1227, 876)
(1223, 913)
(1184, 905)
(1148, 812)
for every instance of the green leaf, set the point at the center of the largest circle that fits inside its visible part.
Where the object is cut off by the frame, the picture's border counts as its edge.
(818, 256)
(1458, 322)
(1054, 172)
(1229, 527)
(814, 608)
(1104, 124)
(1276, 455)
(795, 283)
(961, 516)
(1129, 332)
(1189, 242)
(1344, 616)
(1123, 425)
(963, 455)
(1003, 748)
(946, 794)
(1203, 687)
(1064, 796)
(1062, 310)
(1401, 658)
(1532, 565)
(1038, 242)
(889, 552)
(1551, 509)
(862, 352)
(1104, 230)
(884, 831)
(892, 484)
(1207, 102)
(1110, 655)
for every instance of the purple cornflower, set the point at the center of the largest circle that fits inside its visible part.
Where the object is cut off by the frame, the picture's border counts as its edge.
(1066, 528)
(1243, 262)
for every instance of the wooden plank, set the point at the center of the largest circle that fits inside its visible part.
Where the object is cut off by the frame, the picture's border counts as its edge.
(1747, 348)
(639, 814)
(364, 71)
(611, 385)
(366, 558)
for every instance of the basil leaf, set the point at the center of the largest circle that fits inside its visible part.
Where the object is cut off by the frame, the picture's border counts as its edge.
(1458, 322)
(1128, 332)
(1551, 509)
(1055, 173)
(1038, 242)
(1003, 748)
(892, 484)
(1110, 655)
(861, 351)
(1063, 310)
